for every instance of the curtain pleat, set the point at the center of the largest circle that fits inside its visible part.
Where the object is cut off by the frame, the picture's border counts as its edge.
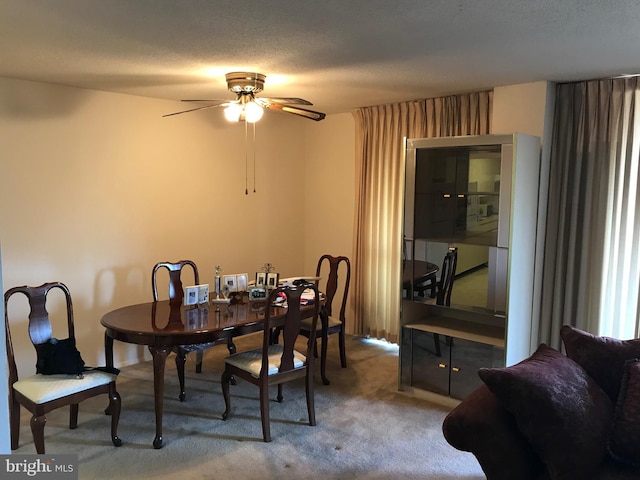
(590, 272)
(380, 131)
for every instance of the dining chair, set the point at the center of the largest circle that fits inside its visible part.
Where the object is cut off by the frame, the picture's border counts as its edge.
(444, 287)
(275, 363)
(176, 293)
(425, 280)
(329, 323)
(39, 393)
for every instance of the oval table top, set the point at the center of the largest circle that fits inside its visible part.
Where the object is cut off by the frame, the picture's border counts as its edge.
(169, 323)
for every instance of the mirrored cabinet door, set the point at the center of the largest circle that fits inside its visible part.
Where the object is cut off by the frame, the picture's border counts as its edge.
(480, 279)
(457, 194)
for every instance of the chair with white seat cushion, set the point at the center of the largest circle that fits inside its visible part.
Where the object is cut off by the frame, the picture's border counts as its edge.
(40, 393)
(275, 364)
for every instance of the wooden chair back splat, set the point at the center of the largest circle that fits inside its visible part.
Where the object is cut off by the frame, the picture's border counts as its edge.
(176, 290)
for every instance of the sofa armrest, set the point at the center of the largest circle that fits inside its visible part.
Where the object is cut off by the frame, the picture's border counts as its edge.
(480, 425)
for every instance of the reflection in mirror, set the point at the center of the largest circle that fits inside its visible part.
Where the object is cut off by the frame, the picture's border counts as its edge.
(480, 282)
(457, 194)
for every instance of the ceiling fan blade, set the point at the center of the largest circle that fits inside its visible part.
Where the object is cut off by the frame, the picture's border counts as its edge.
(284, 101)
(303, 112)
(195, 109)
(204, 100)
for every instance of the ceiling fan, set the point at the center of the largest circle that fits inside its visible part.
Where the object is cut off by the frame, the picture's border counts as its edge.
(249, 107)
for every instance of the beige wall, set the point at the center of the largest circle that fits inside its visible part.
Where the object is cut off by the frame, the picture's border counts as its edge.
(330, 197)
(97, 187)
(520, 108)
(330, 187)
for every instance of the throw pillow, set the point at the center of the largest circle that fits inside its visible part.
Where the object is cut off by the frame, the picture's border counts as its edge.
(602, 357)
(624, 437)
(561, 411)
(480, 424)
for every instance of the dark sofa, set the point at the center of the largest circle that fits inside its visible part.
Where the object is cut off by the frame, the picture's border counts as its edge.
(555, 416)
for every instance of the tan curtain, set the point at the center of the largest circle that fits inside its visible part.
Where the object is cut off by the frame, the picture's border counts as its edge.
(380, 196)
(591, 266)
(459, 115)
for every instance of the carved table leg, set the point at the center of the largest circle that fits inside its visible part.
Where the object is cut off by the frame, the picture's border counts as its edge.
(181, 360)
(108, 355)
(232, 349)
(159, 359)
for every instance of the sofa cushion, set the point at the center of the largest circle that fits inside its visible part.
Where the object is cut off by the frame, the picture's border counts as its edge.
(602, 357)
(560, 410)
(481, 425)
(624, 438)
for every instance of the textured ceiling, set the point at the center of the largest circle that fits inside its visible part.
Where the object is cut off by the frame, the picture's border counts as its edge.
(338, 54)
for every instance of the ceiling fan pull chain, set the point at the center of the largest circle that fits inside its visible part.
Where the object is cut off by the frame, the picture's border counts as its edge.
(254, 157)
(246, 161)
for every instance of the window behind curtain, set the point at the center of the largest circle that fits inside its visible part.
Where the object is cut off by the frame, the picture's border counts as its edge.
(591, 267)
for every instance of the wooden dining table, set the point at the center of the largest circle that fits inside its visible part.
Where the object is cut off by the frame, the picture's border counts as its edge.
(166, 324)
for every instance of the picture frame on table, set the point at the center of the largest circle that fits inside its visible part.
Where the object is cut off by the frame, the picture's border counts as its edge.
(203, 293)
(257, 293)
(242, 282)
(191, 295)
(261, 279)
(272, 280)
(230, 282)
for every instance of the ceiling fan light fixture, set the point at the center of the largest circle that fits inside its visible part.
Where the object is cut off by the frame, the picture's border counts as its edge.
(252, 112)
(233, 111)
(246, 107)
(245, 82)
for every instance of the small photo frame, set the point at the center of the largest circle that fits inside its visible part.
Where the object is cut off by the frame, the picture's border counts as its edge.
(257, 293)
(203, 293)
(242, 282)
(261, 279)
(272, 280)
(191, 295)
(230, 282)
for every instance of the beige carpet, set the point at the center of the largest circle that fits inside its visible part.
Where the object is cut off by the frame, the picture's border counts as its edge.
(366, 428)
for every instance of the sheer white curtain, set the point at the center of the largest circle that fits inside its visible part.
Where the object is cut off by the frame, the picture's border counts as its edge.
(591, 268)
(380, 195)
(619, 313)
